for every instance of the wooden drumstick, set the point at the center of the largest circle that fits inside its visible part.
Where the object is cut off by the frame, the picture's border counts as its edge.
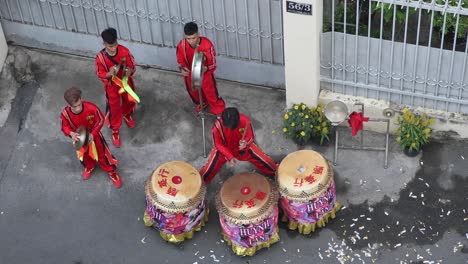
(243, 137)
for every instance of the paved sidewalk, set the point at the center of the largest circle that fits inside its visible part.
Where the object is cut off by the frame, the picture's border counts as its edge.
(412, 212)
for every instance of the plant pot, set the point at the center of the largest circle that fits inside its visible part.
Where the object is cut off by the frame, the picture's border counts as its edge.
(411, 153)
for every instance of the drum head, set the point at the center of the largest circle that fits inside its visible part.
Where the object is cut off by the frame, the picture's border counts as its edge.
(197, 69)
(247, 198)
(175, 186)
(304, 174)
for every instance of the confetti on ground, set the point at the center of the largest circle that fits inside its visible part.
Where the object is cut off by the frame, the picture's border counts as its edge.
(214, 258)
(397, 245)
(196, 253)
(143, 240)
(461, 156)
(385, 213)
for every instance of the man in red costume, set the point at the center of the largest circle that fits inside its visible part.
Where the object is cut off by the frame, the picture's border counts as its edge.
(113, 63)
(233, 139)
(185, 51)
(81, 114)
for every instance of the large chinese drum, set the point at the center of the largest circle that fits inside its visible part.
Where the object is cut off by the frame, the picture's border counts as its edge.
(248, 212)
(307, 191)
(175, 201)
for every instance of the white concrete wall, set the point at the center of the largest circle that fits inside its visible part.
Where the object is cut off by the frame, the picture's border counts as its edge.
(302, 54)
(3, 48)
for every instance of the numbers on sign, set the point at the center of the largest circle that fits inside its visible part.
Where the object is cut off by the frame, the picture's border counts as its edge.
(308, 8)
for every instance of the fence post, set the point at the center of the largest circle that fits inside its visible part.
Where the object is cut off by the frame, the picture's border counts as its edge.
(3, 48)
(302, 50)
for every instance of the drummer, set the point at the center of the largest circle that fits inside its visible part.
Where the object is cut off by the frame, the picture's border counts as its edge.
(185, 51)
(77, 114)
(233, 139)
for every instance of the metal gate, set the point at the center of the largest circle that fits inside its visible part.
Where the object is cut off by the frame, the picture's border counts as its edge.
(240, 29)
(403, 51)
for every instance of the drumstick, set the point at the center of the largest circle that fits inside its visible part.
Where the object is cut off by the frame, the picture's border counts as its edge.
(243, 136)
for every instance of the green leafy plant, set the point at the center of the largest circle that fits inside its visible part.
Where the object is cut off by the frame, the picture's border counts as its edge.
(302, 123)
(414, 130)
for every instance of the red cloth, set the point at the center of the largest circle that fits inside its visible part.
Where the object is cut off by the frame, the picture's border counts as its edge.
(118, 105)
(92, 119)
(355, 121)
(209, 90)
(226, 147)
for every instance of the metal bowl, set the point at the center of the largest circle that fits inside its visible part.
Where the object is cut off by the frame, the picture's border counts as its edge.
(336, 111)
(197, 69)
(83, 139)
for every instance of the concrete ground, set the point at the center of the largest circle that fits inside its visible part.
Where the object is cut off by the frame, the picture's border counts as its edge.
(412, 212)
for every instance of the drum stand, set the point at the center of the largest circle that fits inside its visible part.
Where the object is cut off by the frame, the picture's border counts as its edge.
(361, 145)
(202, 117)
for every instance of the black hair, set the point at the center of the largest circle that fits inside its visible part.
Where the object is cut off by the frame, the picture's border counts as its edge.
(230, 117)
(190, 28)
(109, 35)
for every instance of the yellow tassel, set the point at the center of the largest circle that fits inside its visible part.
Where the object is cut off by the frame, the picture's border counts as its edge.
(242, 251)
(180, 237)
(306, 229)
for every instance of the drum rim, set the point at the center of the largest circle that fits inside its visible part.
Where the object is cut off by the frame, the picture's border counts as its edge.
(305, 196)
(172, 207)
(263, 212)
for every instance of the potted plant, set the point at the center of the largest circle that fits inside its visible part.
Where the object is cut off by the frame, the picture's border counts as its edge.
(321, 126)
(302, 123)
(413, 131)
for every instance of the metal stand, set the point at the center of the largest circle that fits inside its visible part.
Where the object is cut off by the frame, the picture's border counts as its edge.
(202, 117)
(361, 145)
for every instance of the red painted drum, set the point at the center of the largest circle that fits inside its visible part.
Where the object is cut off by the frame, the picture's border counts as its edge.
(175, 201)
(248, 212)
(307, 191)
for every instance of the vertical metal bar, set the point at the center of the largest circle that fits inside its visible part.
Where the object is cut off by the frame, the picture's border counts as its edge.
(344, 45)
(428, 55)
(403, 60)
(380, 48)
(439, 60)
(413, 87)
(332, 60)
(181, 20)
(160, 22)
(271, 31)
(63, 16)
(237, 28)
(449, 86)
(247, 30)
(170, 24)
(30, 13)
(20, 11)
(214, 24)
(202, 26)
(368, 45)
(335, 153)
(72, 11)
(114, 7)
(387, 136)
(9, 10)
(389, 94)
(282, 32)
(226, 44)
(52, 13)
(462, 79)
(150, 23)
(259, 32)
(105, 13)
(189, 4)
(95, 18)
(127, 20)
(42, 13)
(140, 32)
(84, 16)
(356, 63)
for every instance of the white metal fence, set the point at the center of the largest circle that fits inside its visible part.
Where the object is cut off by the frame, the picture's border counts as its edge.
(404, 51)
(241, 29)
